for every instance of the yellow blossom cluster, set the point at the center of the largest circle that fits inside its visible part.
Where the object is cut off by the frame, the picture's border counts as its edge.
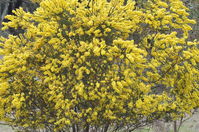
(98, 62)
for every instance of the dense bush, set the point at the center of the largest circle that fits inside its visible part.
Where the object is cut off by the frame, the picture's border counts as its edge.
(98, 65)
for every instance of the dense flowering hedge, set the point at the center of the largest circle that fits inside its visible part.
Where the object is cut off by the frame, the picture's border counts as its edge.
(98, 64)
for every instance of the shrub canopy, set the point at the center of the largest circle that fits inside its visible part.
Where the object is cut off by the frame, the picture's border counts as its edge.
(94, 63)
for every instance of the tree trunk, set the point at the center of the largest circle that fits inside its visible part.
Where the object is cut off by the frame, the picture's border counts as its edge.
(106, 128)
(175, 126)
(73, 128)
(86, 129)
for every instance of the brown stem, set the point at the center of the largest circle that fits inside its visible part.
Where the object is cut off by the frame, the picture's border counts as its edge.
(106, 128)
(175, 126)
(86, 129)
(73, 128)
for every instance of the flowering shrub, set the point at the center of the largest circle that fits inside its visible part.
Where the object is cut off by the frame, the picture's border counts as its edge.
(98, 64)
